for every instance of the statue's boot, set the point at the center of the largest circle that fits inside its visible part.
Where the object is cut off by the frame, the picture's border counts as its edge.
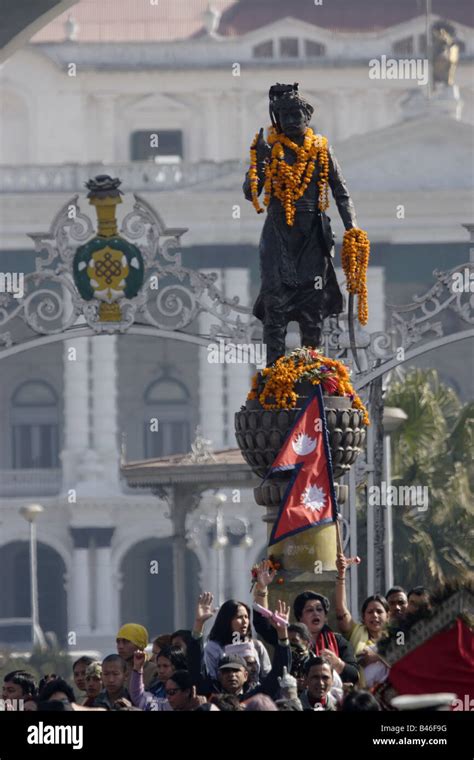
(311, 332)
(274, 335)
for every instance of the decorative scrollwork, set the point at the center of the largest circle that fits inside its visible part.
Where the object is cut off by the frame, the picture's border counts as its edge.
(173, 297)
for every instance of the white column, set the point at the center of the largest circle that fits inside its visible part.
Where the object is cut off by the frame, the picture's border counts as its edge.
(104, 404)
(211, 386)
(236, 283)
(106, 119)
(105, 617)
(239, 573)
(76, 407)
(79, 594)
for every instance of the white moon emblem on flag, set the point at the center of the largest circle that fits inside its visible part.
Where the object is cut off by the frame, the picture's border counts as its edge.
(303, 444)
(314, 498)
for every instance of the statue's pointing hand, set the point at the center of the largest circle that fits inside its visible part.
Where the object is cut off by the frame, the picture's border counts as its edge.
(262, 147)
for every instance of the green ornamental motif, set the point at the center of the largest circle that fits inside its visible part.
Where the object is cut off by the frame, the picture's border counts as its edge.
(107, 267)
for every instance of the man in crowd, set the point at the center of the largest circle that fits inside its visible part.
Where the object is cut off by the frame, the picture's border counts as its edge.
(318, 683)
(113, 677)
(418, 599)
(17, 685)
(131, 637)
(398, 603)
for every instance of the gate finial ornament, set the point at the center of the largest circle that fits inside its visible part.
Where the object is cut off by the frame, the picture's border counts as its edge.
(107, 267)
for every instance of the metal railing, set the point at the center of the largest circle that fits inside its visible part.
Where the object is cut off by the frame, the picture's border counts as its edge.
(135, 175)
(30, 482)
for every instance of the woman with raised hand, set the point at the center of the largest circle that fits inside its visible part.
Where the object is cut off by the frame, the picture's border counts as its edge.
(363, 636)
(232, 627)
(239, 657)
(311, 609)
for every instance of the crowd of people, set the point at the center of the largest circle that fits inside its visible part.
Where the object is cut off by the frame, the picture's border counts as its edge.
(311, 666)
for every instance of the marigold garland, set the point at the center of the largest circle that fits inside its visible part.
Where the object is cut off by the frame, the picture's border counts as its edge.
(304, 364)
(289, 183)
(355, 259)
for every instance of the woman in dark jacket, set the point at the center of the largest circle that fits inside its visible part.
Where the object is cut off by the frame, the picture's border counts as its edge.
(311, 609)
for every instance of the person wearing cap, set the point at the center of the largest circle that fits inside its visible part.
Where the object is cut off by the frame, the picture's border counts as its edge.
(131, 637)
(311, 609)
(233, 675)
(94, 683)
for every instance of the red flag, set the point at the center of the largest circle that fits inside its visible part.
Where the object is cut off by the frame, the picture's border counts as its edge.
(310, 498)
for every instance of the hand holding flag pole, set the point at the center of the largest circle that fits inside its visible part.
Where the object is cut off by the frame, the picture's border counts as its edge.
(348, 560)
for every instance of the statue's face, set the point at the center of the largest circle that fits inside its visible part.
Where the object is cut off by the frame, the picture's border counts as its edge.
(293, 121)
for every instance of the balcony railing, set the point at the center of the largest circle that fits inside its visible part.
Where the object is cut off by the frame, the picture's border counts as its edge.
(135, 176)
(37, 482)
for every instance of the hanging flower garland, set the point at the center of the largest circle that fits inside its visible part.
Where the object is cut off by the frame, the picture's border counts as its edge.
(355, 259)
(303, 364)
(288, 182)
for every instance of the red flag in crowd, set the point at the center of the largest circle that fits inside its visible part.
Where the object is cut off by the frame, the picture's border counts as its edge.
(310, 498)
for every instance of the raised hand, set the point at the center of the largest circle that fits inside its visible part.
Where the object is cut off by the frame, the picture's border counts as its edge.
(336, 663)
(204, 609)
(341, 565)
(283, 612)
(138, 659)
(265, 574)
(288, 685)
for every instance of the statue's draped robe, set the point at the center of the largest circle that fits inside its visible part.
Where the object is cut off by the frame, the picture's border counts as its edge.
(292, 258)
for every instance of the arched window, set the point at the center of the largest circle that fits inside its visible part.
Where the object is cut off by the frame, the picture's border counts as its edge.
(404, 46)
(263, 50)
(289, 47)
(313, 49)
(35, 426)
(167, 427)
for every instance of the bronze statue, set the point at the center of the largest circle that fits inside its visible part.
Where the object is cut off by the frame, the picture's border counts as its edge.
(296, 167)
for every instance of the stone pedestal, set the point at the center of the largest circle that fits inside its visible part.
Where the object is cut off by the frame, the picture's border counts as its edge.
(308, 558)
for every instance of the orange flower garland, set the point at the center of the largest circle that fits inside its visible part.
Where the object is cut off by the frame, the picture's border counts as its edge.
(304, 364)
(289, 183)
(254, 177)
(355, 259)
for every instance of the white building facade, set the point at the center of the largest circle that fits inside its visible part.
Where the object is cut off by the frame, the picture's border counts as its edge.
(73, 109)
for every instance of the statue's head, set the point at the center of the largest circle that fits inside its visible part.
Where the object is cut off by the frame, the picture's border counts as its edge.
(289, 112)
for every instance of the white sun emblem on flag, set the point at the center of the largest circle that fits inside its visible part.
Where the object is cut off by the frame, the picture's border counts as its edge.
(303, 444)
(314, 498)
